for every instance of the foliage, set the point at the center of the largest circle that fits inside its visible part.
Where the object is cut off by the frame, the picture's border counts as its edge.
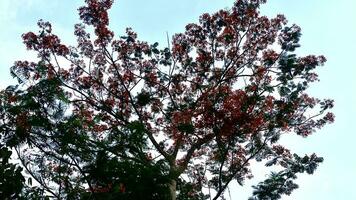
(119, 118)
(11, 179)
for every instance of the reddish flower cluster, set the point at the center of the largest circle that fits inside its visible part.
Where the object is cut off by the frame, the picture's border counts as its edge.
(22, 124)
(100, 189)
(95, 13)
(270, 57)
(30, 39)
(46, 41)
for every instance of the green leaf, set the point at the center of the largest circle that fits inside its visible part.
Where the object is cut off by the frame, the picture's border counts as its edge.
(155, 51)
(284, 91)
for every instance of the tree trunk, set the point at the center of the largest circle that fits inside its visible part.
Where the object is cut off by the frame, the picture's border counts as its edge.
(172, 189)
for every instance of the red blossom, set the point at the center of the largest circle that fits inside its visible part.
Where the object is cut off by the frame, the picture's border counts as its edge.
(30, 40)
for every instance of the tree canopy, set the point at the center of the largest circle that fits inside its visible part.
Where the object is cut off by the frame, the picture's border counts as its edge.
(119, 118)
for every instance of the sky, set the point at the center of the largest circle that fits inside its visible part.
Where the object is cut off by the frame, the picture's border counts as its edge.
(328, 28)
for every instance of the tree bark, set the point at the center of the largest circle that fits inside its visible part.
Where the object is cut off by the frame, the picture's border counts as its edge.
(172, 189)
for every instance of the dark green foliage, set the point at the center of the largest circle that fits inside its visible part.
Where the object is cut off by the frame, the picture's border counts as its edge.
(188, 191)
(115, 179)
(282, 182)
(11, 179)
(143, 98)
(186, 128)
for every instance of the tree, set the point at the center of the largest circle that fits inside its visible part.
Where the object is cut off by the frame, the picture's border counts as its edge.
(123, 119)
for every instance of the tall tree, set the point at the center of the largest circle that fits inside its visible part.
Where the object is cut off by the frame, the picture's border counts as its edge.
(118, 118)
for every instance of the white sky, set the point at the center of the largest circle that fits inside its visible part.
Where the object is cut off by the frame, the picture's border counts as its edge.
(328, 28)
